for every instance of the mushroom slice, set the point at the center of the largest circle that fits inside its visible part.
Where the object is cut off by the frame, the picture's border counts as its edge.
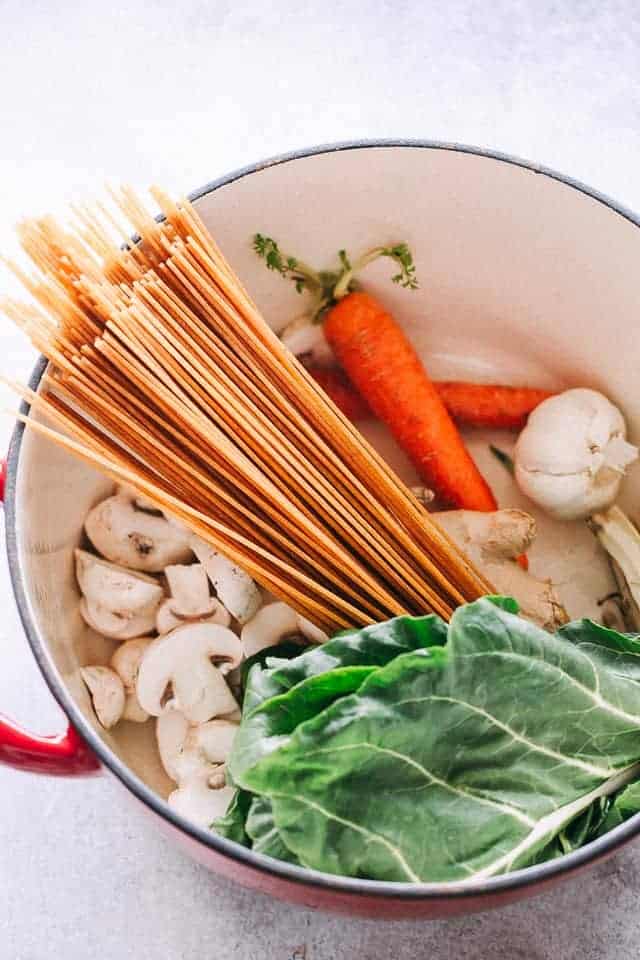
(310, 632)
(189, 600)
(189, 588)
(167, 620)
(116, 588)
(117, 603)
(172, 728)
(185, 749)
(113, 625)
(126, 663)
(269, 626)
(237, 591)
(182, 659)
(213, 739)
(107, 694)
(202, 798)
(135, 538)
(272, 624)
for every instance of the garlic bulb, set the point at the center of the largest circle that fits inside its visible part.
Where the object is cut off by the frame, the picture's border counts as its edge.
(572, 455)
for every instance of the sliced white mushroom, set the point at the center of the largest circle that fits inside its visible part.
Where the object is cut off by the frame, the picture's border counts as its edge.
(189, 600)
(113, 625)
(117, 602)
(235, 588)
(182, 660)
(116, 587)
(269, 626)
(202, 798)
(107, 694)
(167, 620)
(135, 538)
(126, 663)
(121, 592)
(274, 623)
(185, 749)
(213, 739)
(310, 632)
(189, 588)
(172, 728)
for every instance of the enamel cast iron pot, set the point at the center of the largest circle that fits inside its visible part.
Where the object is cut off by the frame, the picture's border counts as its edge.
(524, 275)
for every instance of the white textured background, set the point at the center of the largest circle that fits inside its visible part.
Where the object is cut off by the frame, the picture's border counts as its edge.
(180, 93)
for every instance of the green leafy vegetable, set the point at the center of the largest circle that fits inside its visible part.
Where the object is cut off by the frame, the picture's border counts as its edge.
(375, 645)
(233, 824)
(624, 805)
(264, 833)
(280, 651)
(446, 762)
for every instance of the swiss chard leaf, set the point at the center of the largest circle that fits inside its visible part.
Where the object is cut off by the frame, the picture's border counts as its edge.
(269, 726)
(286, 650)
(264, 834)
(624, 805)
(233, 824)
(277, 700)
(461, 761)
(375, 645)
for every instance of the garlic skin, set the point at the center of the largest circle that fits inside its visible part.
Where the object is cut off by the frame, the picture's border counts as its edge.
(572, 455)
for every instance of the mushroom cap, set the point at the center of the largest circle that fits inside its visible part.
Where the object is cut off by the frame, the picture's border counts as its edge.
(135, 538)
(107, 694)
(183, 658)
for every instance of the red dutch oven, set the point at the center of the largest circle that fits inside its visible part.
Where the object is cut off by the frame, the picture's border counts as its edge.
(523, 273)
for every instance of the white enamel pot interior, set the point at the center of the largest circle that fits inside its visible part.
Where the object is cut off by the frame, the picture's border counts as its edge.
(524, 277)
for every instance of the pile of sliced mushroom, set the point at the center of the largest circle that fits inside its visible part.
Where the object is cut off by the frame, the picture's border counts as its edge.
(186, 618)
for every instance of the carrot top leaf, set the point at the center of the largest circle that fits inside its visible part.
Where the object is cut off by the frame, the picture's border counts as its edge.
(329, 286)
(402, 255)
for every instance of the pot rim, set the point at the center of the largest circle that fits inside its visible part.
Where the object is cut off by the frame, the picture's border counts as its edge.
(434, 892)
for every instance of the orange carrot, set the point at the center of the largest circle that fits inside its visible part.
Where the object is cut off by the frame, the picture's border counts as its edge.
(470, 404)
(490, 405)
(345, 396)
(387, 371)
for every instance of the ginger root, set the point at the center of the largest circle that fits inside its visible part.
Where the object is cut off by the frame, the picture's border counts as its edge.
(493, 541)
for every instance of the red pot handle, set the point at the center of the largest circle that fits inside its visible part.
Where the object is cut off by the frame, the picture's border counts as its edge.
(63, 755)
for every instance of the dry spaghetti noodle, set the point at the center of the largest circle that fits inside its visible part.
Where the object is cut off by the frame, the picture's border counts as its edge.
(165, 376)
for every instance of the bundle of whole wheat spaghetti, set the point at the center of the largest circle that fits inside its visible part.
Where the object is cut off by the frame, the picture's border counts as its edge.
(165, 376)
